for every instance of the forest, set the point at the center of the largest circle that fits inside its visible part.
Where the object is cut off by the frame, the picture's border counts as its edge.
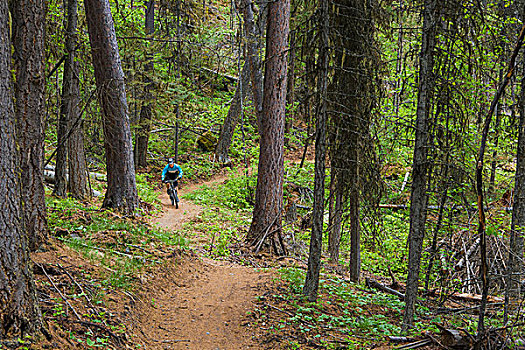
(353, 174)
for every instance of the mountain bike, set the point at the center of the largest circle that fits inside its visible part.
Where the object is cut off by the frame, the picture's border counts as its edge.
(173, 192)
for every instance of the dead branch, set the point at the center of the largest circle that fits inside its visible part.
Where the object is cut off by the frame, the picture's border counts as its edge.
(78, 285)
(468, 254)
(59, 292)
(99, 326)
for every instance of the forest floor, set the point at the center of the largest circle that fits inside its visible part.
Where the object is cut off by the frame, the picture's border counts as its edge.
(188, 301)
(184, 300)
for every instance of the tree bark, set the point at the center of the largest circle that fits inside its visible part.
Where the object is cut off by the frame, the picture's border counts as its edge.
(70, 134)
(421, 167)
(19, 312)
(266, 222)
(121, 193)
(141, 145)
(311, 284)
(28, 42)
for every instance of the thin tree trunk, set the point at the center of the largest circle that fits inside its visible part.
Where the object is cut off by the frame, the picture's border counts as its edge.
(28, 42)
(399, 62)
(421, 166)
(517, 229)
(19, 312)
(233, 116)
(433, 250)
(311, 284)
(78, 184)
(484, 270)
(252, 48)
(266, 222)
(516, 247)
(121, 193)
(141, 145)
(60, 188)
(71, 154)
(355, 234)
(336, 216)
(352, 106)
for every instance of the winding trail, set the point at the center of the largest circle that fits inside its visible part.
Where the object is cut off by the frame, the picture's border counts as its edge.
(194, 302)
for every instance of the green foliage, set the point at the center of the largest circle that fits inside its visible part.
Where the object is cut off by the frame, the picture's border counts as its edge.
(146, 189)
(235, 193)
(345, 311)
(220, 229)
(392, 250)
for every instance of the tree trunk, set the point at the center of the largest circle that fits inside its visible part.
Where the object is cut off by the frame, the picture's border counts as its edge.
(28, 42)
(513, 289)
(399, 61)
(266, 222)
(121, 193)
(420, 168)
(141, 145)
(352, 96)
(19, 313)
(515, 258)
(336, 217)
(60, 188)
(355, 235)
(232, 118)
(252, 49)
(78, 185)
(311, 284)
(70, 134)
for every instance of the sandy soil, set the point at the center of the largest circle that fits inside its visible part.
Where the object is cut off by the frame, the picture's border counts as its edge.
(195, 302)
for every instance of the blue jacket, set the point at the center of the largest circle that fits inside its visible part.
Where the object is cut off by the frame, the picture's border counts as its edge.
(167, 170)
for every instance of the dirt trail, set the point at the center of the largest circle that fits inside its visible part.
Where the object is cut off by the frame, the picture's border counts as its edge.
(195, 302)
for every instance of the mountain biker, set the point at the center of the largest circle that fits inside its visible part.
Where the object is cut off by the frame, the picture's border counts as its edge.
(172, 171)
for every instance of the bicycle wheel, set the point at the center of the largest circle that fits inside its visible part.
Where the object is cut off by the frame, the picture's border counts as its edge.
(175, 194)
(171, 196)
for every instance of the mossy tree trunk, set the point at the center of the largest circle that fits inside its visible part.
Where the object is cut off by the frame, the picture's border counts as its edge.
(19, 313)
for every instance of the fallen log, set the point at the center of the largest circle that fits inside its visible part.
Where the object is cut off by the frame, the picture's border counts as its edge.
(452, 338)
(49, 175)
(415, 345)
(400, 339)
(226, 76)
(376, 285)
